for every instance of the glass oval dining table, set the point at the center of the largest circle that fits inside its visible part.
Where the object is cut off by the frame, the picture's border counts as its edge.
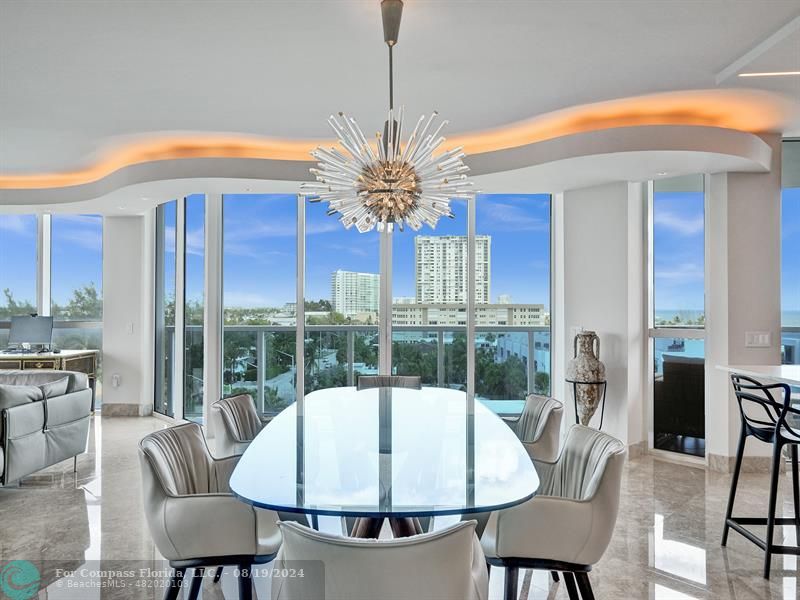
(385, 453)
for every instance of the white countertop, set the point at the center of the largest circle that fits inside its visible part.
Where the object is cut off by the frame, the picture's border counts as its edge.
(781, 373)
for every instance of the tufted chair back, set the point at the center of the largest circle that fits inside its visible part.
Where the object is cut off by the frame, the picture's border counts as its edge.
(179, 461)
(240, 424)
(582, 465)
(572, 517)
(446, 564)
(190, 511)
(539, 426)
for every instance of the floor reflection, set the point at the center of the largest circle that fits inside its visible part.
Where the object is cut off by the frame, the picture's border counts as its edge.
(677, 558)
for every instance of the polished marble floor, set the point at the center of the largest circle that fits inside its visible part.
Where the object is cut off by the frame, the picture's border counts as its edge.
(666, 544)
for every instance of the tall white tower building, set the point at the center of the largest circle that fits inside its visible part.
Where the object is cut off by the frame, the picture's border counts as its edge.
(353, 293)
(441, 269)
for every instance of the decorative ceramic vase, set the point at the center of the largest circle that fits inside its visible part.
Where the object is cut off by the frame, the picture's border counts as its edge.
(585, 367)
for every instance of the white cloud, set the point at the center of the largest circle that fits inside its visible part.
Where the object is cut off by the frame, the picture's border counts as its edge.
(677, 223)
(500, 216)
(195, 241)
(243, 299)
(16, 224)
(680, 273)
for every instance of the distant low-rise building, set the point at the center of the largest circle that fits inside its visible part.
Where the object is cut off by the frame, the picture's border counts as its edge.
(502, 315)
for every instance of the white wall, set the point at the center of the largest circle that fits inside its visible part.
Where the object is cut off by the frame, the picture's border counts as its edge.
(603, 284)
(127, 321)
(743, 279)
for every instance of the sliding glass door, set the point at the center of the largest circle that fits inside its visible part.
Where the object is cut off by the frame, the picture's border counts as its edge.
(678, 314)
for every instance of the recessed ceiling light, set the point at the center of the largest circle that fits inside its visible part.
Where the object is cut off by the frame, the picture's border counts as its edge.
(120, 208)
(661, 173)
(770, 74)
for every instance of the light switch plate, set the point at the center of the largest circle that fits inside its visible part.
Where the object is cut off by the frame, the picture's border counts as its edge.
(757, 339)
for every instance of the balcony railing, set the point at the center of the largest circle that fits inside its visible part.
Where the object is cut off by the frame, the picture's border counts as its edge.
(337, 354)
(260, 360)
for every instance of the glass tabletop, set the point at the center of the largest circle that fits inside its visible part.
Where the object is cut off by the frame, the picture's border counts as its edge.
(385, 452)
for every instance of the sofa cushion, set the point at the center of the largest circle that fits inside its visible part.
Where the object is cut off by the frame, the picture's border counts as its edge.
(52, 389)
(14, 395)
(77, 381)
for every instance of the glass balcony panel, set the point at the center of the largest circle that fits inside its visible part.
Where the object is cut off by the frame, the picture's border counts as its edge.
(240, 362)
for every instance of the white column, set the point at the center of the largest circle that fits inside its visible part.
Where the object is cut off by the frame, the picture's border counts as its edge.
(126, 303)
(558, 328)
(601, 238)
(743, 261)
(638, 366)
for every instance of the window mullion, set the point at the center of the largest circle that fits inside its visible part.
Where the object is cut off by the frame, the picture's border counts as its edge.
(180, 312)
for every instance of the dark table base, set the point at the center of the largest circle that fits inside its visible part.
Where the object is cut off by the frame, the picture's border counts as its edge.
(370, 527)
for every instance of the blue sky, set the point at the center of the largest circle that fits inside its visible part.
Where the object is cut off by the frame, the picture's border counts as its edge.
(790, 250)
(260, 254)
(76, 258)
(260, 249)
(678, 251)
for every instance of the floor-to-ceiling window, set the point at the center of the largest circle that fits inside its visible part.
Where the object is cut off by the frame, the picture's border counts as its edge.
(166, 224)
(342, 273)
(429, 304)
(18, 260)
(76, 285)
(790, 253)
(53, 265)
(512, 300)
(342, 290)
(259, 298)
(193, 291)
(678, 314)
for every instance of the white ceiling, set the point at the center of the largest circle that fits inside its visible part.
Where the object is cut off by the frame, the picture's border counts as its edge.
(77, 75)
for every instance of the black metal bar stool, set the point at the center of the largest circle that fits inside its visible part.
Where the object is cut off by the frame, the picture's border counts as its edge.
(773, 421)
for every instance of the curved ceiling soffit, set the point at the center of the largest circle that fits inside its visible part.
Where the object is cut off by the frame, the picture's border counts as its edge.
(688, 115)
(745, 151)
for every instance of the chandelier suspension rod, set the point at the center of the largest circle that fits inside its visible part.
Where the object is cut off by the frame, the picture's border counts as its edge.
(391, 15)
(391, 78)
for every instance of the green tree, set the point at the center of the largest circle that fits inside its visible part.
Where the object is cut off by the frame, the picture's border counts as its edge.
(86, 304)
(15, 307)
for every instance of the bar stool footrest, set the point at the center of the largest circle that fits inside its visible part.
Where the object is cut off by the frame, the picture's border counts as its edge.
(736, 523)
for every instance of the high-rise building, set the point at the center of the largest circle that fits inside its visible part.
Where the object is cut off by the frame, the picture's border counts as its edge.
(354, 293)
(441, 269)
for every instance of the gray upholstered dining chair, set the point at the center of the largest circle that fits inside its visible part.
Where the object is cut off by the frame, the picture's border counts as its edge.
(539, 426)
(568, 525)
(446, 564)
(412, 382)
(239, 422)
(193, 518)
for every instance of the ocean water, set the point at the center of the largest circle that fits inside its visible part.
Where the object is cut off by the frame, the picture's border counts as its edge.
(789, 318)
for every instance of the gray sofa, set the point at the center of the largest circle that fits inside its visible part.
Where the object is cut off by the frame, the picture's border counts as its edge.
(44, 419)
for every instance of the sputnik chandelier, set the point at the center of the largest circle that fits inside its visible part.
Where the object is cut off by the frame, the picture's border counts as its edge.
(390, 183)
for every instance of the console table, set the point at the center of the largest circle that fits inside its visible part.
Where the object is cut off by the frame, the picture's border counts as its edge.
(82, 361)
